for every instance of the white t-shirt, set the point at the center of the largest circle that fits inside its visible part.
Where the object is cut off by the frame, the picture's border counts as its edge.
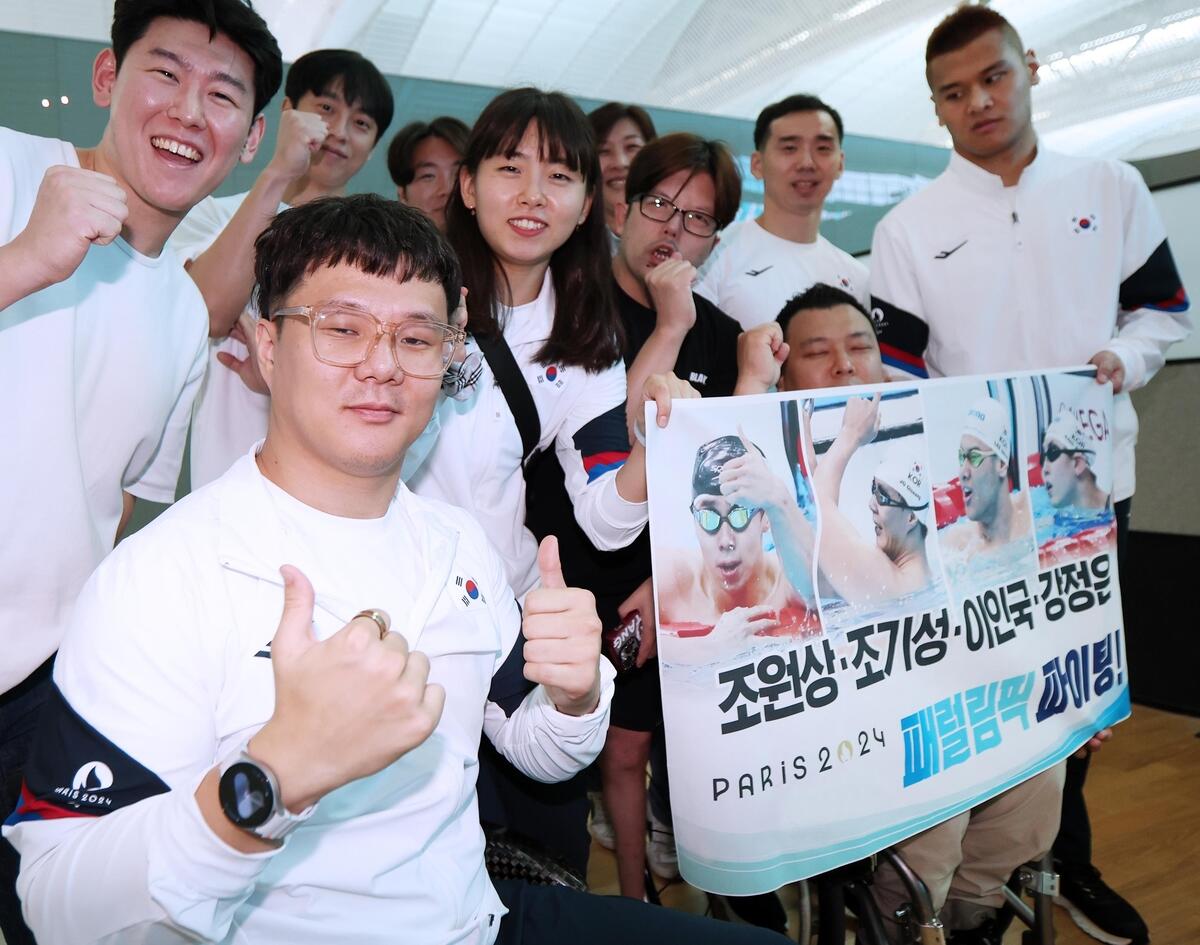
(97, 375)
(969, 276)
(228, 415)
(752, 273)
(476, 462)
(166, 670)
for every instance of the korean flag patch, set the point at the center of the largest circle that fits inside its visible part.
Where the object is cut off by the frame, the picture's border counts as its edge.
(466, 592)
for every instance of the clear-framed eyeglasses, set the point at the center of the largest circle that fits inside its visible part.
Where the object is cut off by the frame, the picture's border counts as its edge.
(661, 210)
(345, 335)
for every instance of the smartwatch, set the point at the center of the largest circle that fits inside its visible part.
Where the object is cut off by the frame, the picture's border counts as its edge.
(249, 795)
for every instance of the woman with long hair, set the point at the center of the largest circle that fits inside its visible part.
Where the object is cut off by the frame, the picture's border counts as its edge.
(527, 222)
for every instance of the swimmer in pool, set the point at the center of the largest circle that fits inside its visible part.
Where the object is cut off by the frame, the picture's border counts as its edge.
(896, 563)
(996, 516)
(733, 588)
(1074, 467)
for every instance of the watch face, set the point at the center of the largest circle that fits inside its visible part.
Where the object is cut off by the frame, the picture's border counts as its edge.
(246, 795)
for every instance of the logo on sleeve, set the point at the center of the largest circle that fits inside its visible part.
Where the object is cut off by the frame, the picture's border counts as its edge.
(1084, 224)
(467, 592)
(88, 786)
(552, 375)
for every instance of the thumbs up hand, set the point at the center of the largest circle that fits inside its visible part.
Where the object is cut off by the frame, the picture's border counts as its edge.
(345, 707)
(562, 637)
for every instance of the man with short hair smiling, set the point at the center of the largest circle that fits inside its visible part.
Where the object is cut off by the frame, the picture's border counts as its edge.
(336, 105)
(961, 285)
(764, 262)
(102, 336)
(310, 777)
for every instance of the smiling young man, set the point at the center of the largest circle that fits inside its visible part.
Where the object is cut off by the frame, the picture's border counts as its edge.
(310, 777)
(762, 263)
(101, 333)
(336, 105)
(961, 285)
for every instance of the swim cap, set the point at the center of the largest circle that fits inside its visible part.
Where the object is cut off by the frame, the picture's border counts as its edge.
(902, 470)
(987, 421)
(711, 458)
(1084, 431)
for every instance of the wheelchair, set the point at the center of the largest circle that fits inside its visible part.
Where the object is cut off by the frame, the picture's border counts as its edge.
(850, 886)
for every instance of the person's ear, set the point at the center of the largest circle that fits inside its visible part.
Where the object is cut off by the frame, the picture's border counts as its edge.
(266, 341)
(1031, 62)
(620, 215)
(104, 77)
(253, 139)
(287, 105)
(756, 165)
(466, 187)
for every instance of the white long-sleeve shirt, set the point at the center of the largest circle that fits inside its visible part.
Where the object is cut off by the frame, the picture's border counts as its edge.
(969, 276)
(166, 670)
(476, 461)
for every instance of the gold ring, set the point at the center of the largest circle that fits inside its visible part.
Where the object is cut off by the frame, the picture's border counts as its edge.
(380, 618)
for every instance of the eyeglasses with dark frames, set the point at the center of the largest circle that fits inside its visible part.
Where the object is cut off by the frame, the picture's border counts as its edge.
(345, 335)
(661, 210)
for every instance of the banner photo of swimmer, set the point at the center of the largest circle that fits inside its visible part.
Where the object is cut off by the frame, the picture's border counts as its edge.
(877, 607)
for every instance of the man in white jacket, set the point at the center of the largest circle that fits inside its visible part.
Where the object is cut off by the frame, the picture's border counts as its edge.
(208, 769)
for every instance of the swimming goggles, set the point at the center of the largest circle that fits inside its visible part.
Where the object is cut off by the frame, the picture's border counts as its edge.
(710, 519)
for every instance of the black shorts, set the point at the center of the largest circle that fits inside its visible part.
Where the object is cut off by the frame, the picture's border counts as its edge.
(637, 701)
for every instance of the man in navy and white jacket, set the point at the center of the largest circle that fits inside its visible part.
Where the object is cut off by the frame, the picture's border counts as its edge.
(1020, 258)
(208, 769)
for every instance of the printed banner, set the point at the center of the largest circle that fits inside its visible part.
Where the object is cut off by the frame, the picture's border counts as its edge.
(877, 608)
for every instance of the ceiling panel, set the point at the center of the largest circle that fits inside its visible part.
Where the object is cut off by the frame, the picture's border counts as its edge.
(1120, 77)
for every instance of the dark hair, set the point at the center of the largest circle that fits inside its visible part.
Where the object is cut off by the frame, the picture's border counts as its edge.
(683, 151)
(586, 331)
(233, 18)
(965, 25)
(789, 105)
(819, 296)
(711, 458)
(401, 152)
(379, 237)
(356, 77)
(605, 116)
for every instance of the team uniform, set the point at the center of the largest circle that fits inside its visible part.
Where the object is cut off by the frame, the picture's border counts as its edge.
(969, 276)
(166, 670)
(98, 373)
(752, 273)
(227, 416)
(476, 461)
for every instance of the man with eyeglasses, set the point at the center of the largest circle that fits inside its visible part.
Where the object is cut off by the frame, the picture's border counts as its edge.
(211, 770)
(763, 262)
(1074, 467)
(680, 191)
